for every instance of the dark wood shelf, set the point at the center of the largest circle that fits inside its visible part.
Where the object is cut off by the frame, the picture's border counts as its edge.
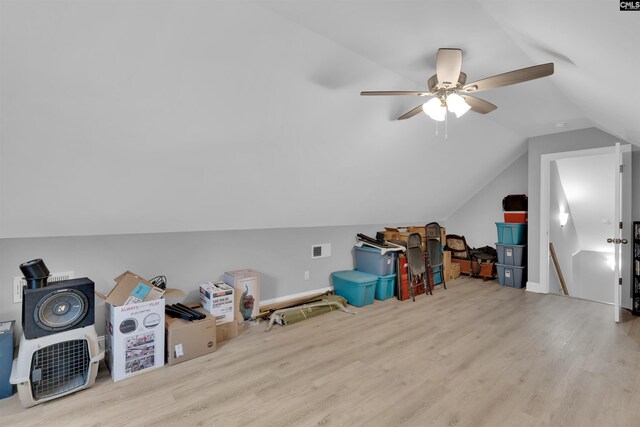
(635, 269)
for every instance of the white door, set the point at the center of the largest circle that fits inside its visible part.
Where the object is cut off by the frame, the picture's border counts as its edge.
(617, 239)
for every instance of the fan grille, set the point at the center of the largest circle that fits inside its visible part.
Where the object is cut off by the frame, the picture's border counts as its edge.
(59, 368)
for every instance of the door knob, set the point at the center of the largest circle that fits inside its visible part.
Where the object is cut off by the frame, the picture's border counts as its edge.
(617, 241)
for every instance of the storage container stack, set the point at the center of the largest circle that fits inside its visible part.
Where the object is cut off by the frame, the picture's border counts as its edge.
(373, 278)
(512, 242)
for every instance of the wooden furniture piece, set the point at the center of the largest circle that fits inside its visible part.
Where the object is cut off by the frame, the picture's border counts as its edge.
(635, 273)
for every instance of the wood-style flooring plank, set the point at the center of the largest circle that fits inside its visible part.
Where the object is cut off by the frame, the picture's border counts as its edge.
(476, 354)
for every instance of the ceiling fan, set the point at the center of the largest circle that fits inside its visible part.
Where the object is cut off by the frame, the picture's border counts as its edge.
(450, 90)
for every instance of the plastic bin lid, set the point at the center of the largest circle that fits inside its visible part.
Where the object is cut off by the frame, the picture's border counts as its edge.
(510, 245)
(510, 224)
(519, 267)
(369, 249)
(355, 276)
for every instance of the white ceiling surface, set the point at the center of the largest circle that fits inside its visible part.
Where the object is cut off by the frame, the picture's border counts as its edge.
(589, 184)
(179, 116)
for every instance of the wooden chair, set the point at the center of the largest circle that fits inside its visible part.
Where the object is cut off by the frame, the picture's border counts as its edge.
(417, 265)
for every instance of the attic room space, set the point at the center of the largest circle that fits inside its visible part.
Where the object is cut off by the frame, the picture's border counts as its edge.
(185, 146)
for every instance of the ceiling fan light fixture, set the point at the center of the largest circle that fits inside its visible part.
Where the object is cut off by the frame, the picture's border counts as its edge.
(457, 104)
(434, 109)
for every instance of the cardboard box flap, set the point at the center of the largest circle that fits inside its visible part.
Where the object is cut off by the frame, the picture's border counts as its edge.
(130, 289)
(174, 293)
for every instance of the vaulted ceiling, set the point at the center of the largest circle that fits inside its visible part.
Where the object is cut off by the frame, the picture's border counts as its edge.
(175, 116)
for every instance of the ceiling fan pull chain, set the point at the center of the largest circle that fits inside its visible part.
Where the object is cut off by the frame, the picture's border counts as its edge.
(446, 125)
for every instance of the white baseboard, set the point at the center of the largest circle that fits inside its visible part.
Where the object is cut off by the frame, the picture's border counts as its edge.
(294, 296)
(535, 287)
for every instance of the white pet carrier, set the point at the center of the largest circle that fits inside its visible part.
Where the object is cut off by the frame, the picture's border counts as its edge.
(56, 365)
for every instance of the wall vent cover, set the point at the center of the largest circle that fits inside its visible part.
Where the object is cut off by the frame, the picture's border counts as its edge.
(321, 250)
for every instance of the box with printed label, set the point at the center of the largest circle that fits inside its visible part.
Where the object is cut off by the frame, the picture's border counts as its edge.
(134, 323)
(135, 338)
(217, 298)
(246, 284)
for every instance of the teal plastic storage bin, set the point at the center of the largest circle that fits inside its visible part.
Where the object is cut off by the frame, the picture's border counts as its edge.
(512, 254)
(510, 233)
(370, 260)
(385, 287)
(512, 275)
(356, 286)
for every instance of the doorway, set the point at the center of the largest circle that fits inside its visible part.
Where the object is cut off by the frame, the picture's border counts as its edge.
(581, 185)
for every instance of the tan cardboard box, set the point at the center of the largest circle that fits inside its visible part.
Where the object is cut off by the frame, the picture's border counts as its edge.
(226, 331)
(246, 284)
(455, 271)
(447, 265)
(188, 340)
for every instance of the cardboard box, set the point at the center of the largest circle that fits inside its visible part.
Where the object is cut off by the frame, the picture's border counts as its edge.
(247, 286)
(134, 324)
(130, 289)
(218, 299)
(226, 331)
(188, 340)
(446, 256)
(455, 271)
(135, 338)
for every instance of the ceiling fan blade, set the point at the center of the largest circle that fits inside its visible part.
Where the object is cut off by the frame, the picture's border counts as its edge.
(511, 77)
(411, 113)
(394, 92)
(479, 105)
(448, 66)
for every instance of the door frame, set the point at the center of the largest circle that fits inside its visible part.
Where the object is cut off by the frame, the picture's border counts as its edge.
(545, 191)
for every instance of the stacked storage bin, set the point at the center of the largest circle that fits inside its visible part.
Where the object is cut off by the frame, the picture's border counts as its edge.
(512, 242)
(373, 278)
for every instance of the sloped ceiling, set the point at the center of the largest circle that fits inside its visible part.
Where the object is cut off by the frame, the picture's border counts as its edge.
(128, 117)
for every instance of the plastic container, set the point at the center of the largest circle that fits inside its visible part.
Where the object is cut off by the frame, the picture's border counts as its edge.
(515, 202)
(512, 254)
(511, 234)
(519, 217)
(6, 358)
(370, 260)
(357, 287)
(385, 287)
(512, 276)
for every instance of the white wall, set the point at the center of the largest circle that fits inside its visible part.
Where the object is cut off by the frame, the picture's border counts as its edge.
(476, 218)
(564, 239)
(140, 117)
(186, 259)
(593, 276)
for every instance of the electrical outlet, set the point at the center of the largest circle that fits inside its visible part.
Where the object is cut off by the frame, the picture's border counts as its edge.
(20, 282)
(306, 275)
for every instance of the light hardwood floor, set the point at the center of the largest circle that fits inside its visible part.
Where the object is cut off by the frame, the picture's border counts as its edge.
(476, 354)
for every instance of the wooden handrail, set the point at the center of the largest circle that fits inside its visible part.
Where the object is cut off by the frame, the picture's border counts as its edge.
(558, 269)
